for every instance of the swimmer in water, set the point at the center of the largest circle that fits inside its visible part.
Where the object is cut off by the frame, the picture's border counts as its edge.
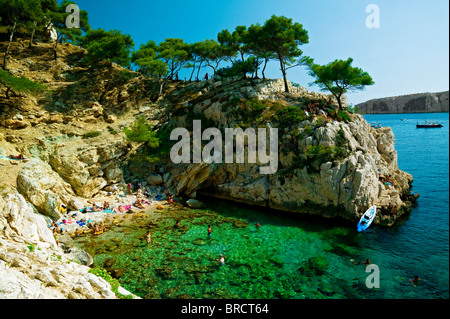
(415, 280)
(221, 260)
(148, 238)
(209, 230)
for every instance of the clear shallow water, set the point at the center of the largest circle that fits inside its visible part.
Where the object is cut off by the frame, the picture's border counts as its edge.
(295, 256)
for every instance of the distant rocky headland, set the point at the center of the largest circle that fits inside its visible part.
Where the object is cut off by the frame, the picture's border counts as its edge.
(411, 103)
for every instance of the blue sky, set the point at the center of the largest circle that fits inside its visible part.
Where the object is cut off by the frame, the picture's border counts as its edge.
(408, 54)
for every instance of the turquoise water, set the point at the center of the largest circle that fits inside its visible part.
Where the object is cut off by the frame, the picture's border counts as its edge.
(294, 256)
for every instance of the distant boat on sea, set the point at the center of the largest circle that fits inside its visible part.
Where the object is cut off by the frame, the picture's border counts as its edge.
(428, 124)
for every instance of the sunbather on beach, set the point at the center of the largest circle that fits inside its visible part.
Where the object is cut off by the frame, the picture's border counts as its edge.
(55, 226)
(97, 229)
(138, 203)
(19, 157)
(105, 205)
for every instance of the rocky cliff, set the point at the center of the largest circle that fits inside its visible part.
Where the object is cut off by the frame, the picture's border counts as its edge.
(412, 103)
(318, 183)
(71, 136)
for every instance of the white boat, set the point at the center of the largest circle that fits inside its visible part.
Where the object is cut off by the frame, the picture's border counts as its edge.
(367, 219)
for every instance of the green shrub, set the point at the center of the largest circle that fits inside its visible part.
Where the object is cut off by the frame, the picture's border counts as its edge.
(31, 247)
(321, 121)
(341, 140)
(343, 116)
(308, 130)
(21, 84)
(352, 109)
(290, 115)
(112, 130)
(103, 273)
(320, 154)
(142, 132)
(92, 134)
(253, 108)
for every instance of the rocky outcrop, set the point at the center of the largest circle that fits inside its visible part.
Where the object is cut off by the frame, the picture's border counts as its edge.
(87, 165)
(412, 103)
(19, 221)
(44, 188)
(345, 187)
(32, 266)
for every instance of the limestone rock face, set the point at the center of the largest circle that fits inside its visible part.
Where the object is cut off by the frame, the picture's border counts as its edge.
(43, 187)
(32, 266)
(344, 188)
(46, 274)
(18, 219)
(87, 165)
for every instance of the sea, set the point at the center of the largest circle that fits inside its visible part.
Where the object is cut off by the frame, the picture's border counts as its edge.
(293, 256)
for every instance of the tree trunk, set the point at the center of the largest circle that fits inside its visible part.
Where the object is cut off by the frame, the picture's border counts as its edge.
(339, 101)
(192, 73)
(161, 88)
(256, 67)
(199, 67)
(283, 70)
(5, 58)
(32, 34)
(58, 40)
(264, 68)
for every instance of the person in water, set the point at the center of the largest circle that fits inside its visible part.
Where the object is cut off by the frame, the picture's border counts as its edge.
(415, 280)
(209, 230)
(221, 260)
(366, 263)
(257, 225)
(148, 238)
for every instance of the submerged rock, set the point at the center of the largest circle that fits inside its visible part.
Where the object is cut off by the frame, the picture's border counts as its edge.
(193, 203)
